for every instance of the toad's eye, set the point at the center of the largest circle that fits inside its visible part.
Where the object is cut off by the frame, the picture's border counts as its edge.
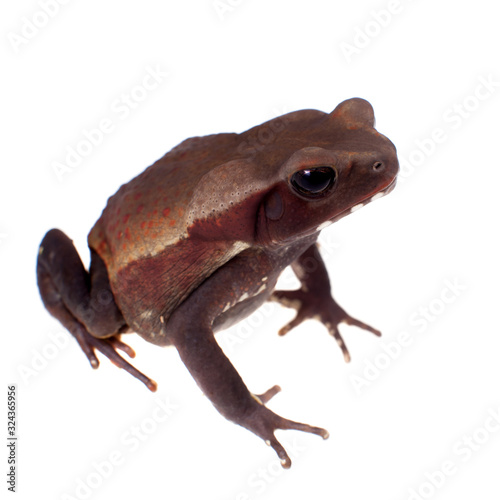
(313, 182)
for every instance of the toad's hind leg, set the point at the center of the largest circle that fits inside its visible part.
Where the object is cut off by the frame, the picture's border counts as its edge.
(83, 302)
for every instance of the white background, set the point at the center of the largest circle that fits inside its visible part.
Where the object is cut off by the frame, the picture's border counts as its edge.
(431, 245)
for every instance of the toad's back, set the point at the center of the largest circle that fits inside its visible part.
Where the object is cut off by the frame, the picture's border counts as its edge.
(149, 213)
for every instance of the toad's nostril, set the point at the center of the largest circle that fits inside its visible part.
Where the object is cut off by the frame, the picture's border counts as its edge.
(378, 166)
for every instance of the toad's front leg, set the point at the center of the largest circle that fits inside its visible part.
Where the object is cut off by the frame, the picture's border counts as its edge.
(190, 328)
(313, 299)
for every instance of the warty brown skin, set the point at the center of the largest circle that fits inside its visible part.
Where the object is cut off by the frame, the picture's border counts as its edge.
(197, 242)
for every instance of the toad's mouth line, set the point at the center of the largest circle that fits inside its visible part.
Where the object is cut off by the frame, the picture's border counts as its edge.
(372, 197)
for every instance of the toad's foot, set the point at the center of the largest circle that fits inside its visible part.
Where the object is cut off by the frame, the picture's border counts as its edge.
(325, 310)
(108, 347)
(263, 422)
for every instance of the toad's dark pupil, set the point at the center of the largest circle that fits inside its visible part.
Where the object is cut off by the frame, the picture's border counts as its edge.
(313, 181)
